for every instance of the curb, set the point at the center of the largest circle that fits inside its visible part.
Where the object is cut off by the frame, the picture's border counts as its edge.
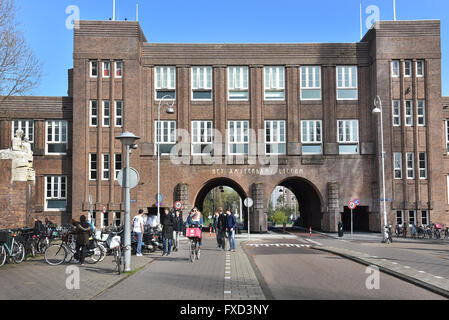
(393, 273)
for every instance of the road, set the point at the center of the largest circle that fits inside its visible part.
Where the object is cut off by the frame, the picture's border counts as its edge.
(296, 272)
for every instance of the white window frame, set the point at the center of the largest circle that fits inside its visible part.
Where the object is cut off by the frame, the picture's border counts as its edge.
(316, 73)
(408, 117)
(103, 69)
(90, 166)
(421, 108)
(202, 80)
(402, 217)
(352, 139)
(347, 70)
(91, 115)
(235, 137)
(206, 138)
(117, 170)
(116, 68)
(164, 80)
(396, 109)
(427, 214)
(238, 84)
(118, 116)
(104, 116)
(120, 219)
(397, 164)
(29, 126)
(56, 194)
(422, 165)
(105, 167)
(171, 136)
(446, 122)
(276, 136)
(276, 82)
(420, 74)
(313, 137)
(53, 140)
(410, 63)
(410, 159)
(395, 70)
(414, 217)
(91, 62)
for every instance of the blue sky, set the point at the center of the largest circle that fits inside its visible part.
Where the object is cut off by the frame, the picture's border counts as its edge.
(205, 21)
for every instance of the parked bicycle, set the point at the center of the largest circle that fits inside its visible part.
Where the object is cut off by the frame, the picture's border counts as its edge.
(115, 243)
(10, 248)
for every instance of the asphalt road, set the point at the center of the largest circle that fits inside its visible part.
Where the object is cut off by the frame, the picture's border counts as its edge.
(297, 272)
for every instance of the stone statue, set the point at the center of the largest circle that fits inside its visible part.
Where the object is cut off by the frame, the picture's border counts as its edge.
(22, 158)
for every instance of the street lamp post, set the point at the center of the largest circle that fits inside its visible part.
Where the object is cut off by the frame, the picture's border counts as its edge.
(169, 102)
(127, 139)
(378, 110)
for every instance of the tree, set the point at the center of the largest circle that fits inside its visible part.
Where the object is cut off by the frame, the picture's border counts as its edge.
(279, 217)
(20, 70)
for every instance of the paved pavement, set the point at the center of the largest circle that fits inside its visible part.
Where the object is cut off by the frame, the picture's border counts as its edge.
(424, 263)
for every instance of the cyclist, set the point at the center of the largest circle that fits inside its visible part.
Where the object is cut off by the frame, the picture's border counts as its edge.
(195, 219)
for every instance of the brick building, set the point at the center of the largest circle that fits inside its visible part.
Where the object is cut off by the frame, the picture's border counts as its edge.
(309, 107)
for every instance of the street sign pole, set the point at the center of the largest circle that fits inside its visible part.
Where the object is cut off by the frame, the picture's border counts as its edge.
(352, 235)
(248, 203)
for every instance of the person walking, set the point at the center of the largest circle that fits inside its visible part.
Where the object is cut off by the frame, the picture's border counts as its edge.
(168, 222)
(178, 229)
(231, 223)
(138, 229)
(83, 233)
(214, 227)
(221, 230)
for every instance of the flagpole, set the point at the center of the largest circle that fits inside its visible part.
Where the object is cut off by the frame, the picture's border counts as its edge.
(394, 9)
(113, 10)
(361, 24)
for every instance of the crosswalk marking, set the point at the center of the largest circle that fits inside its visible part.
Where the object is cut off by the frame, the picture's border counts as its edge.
(278, 245)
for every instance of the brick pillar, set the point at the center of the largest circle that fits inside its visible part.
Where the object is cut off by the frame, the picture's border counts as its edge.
(375, 212)
(258, 215)
(182, 194)
(332, 216)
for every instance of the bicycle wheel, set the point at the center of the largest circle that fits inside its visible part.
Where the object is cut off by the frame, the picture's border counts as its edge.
(118, 260)
(2, 255)
(197, 250)
(94, 255)
(42, 245)
(192, 251)
(17, 252)
(55, 254)
(103, 250)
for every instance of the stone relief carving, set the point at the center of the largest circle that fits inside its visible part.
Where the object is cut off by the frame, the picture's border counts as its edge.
(22, 158)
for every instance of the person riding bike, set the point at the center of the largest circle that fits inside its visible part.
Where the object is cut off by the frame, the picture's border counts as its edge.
(195, 219)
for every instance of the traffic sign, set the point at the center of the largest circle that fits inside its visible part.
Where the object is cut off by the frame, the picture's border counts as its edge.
(133, 178)
(357, 202)
(104, 209)
(352, 205)
(387, 200)
(159, 197)
(178, 205)
(248, 202)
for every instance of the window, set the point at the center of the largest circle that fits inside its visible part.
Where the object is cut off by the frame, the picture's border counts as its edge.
(201, 83)
(93, 113)
(274, 83)
(165, 82)
(408, 113)
(55, 193)
(410, 165)
(118, 219)
(106, 167)
(238, 137)
(94, 69)
(412, 217)
(311, 137)
(422, 158)
(420, 68)
(424, 217)
(117, 164)
(106, 69)
(165, 136)
(27, 126)
(396, 113)
(395, 68)
(118, 114)
(201, 137)
(348, 136)
(421, 112)
(398, 165)
(56, 137)
(118, 69)
(407, 68)
(106, 113)
(238, 83)
(399, 217)
(347, 83)
(310, 83)
(275, 137)
(93, 167)
(447, 135)
(105, 220)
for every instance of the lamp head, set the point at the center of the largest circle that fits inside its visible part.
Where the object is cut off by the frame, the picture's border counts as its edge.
(128, 138)
(376, 110)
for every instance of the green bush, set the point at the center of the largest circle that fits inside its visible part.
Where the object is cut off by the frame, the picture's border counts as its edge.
(279, 217)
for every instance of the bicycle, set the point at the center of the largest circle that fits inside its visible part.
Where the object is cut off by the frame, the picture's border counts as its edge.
(114, 242)
(56, 254)
(194, 234)
(14, 250)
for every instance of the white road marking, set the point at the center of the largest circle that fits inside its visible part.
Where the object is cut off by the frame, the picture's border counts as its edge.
(314, 242)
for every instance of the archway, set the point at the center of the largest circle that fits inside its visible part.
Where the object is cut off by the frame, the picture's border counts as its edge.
(216, 183)
(309, 201)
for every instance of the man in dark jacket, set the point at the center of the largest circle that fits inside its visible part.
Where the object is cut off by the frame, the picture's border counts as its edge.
(231, 224)
(83, 233)
(221, 229)
(168, 223)
(178, 229)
